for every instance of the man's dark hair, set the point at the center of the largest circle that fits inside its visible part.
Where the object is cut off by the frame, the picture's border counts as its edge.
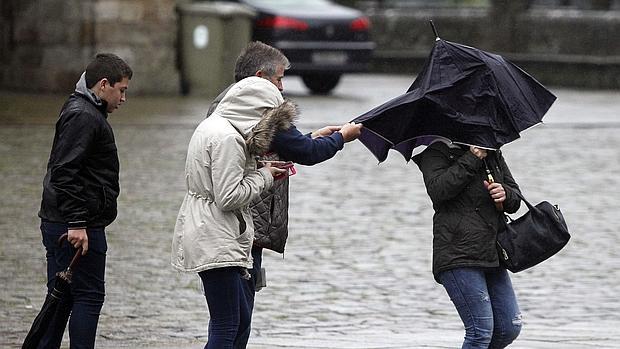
(109, 66)
(259, 56)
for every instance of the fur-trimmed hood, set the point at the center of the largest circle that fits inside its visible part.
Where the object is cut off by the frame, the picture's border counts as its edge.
(276, 119)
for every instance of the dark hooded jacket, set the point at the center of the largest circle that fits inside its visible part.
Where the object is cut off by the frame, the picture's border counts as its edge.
(466, 221)
(81, 185)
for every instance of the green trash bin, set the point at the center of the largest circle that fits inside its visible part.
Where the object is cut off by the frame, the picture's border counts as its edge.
(212, 34)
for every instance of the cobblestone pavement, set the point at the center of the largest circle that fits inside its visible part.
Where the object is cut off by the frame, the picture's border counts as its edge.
(356, 273)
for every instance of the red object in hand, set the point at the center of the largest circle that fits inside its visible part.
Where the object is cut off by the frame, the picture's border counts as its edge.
(288, 165)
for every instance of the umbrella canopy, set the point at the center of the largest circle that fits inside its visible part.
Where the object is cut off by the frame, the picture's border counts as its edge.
(62, 283)
(463, 94)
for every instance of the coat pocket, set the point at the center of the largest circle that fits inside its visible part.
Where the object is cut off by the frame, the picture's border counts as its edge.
(242, 225)
(245, 241)
(447, 228)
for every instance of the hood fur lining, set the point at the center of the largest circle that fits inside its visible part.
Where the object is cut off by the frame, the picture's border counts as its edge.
(273, 120)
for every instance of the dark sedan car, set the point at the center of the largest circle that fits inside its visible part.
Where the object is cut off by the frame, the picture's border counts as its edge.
(321, 39)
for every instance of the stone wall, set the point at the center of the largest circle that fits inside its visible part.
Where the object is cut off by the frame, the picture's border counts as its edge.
(144, 32)
(559, 47)
(47, 43)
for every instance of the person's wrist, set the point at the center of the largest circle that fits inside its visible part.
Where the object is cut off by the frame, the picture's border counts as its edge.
(76, 225)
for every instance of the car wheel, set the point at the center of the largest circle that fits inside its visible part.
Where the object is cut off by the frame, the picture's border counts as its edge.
(321, 83)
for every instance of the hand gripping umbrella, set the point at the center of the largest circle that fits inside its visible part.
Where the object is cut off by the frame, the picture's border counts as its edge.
(463, 94)
(48, 310)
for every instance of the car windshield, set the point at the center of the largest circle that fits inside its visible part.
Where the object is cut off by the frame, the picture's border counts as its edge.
(286, 3)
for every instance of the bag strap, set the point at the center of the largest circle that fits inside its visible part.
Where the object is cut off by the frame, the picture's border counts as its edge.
(507, 218)
(530, 206)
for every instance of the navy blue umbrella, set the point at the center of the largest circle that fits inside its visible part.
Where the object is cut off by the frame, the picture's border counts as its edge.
(463, 94)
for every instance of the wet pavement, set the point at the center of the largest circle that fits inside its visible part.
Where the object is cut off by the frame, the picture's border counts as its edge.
(356, 272)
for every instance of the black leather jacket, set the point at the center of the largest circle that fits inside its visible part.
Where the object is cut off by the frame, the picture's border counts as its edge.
(466, 221)
(82, 180)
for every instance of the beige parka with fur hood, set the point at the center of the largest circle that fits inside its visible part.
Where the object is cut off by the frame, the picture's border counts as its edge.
(214, 227)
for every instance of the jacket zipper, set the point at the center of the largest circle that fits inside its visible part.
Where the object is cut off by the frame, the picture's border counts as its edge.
(504, 253)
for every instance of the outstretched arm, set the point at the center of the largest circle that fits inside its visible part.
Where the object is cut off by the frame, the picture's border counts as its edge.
(317, 147)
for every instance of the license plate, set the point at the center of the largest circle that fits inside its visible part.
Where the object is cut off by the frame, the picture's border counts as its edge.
(329, 58)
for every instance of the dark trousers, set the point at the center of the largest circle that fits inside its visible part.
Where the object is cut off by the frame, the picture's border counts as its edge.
(249, 288)
(229, 311)
(82, 305)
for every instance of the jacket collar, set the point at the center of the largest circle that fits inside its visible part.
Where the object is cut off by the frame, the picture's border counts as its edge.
(89, 95)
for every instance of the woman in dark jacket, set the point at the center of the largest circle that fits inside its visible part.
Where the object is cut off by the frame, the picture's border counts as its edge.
(467, 217)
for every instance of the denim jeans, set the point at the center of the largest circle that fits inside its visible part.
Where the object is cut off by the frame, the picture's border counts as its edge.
(487, 305)
(249, 288)
(228, 308)
(82, 305)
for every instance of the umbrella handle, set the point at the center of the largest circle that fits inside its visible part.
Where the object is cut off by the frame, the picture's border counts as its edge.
(498, 205)
(76, 256)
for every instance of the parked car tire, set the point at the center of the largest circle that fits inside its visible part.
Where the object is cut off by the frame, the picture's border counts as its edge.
(321, 83)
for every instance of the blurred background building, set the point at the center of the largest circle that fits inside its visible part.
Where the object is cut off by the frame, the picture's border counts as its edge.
(45, 44)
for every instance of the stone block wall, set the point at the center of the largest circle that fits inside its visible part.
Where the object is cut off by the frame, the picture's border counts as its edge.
(569, 32)
(144, 32)
(46, 44)
(403, 34)
(576, 48)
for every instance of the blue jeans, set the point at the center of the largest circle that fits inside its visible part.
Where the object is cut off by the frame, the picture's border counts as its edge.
(249, 288)
(487, 305)
(229, 311)
(82, 305)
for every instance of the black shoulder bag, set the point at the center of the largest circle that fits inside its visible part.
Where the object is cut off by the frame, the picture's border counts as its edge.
(533, 237)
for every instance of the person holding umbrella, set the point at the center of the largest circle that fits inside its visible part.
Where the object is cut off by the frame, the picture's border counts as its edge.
(467, 201)
(80, 190)
(464, 105)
